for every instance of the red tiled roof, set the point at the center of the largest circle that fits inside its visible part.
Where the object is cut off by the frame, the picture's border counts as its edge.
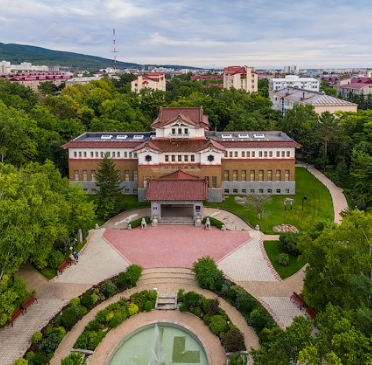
(172, 188)
(169, 115)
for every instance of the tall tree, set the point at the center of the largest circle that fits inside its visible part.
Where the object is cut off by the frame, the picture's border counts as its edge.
(108, 181)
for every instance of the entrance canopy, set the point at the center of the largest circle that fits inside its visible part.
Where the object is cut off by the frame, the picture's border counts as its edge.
(177, 186)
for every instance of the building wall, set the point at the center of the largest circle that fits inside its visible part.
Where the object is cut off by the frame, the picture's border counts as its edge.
(333, 109)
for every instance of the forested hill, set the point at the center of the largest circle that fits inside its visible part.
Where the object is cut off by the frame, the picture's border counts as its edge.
(17, 53)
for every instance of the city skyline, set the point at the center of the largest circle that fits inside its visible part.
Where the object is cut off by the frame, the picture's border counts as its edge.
(211, 34)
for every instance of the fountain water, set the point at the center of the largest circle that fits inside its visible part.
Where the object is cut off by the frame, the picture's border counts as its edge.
(158, 355)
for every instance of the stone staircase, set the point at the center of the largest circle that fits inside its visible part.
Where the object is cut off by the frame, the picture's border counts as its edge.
(167, 280)
(166, 301)
(177, 221)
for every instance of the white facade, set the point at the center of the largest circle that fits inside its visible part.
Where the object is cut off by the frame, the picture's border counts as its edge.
(5, 68)
(154, 80)
(306, 83)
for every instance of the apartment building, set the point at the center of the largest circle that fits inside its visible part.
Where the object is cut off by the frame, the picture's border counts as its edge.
(306, 83)
(153, 80)
(240, 78)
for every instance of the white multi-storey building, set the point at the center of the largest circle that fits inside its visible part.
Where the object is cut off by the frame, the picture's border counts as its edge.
(153, 80)
(306, 83)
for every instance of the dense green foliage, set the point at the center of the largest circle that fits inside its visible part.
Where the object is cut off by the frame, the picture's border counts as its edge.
(207, 274)
(74, 358)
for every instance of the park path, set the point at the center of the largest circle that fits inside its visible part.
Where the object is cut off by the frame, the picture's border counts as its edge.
(338, 197)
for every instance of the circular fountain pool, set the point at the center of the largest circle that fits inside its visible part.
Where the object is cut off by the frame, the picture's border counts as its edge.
(160, 344)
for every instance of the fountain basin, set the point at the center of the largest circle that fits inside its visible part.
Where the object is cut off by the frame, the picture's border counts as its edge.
(160, 344)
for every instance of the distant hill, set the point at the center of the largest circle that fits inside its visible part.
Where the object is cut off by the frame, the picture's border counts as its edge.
(17, 53)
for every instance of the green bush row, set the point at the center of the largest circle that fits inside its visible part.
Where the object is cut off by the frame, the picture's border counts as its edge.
(137, 222)
(45, 342)
(112, 316)
(214, 317)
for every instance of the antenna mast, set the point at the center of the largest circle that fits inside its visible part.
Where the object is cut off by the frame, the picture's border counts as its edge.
(114, 51)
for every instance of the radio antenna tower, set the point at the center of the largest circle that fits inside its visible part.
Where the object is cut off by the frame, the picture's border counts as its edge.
(114, 51)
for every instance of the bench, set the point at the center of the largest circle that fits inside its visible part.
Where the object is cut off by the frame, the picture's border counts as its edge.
(14, 316)
(311, 313)
(28, 302)
(63, 267)
(295, 298)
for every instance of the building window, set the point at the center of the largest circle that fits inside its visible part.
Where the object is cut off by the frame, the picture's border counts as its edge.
(287, 191)
(166, 158)
(192, 158)
(265, 153)
(278, 175)
(113, 154)
(269, 175)
(235, 175)
(135, 175)
(91, 154)
(76, 174)
(278, 191)
(226, 176)
(173, 130)
(244, 175)
(269, 191)
(260, 175)
(277, 154)
(260, 154)
(235, 191)
(270, 153)
(244, 191)
(93, 175)
(288, 153)
(148, 158)
(260, 191)
(135, 154)
(186, 157)
(186, 131)
(226, 154)
(226, 191)
(96, 153)
(80, 154)
(75, 154)
(248, 153)
(283, 153)
(214, 181)
(286, 175)
(126, 175)
(173, 158)
(253, 154)
(235, 153)
(130, 154)
(210, 158)
(252, 191)
(179, 157)
(230, 154)
(108, 154)
(101, 154)
(243, 153)
(118, 153)
(253, 175)
(179, 130)
(125, 154)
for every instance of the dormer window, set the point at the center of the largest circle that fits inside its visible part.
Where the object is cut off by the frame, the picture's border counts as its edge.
(173, 130)
(186, 131)
(210, 158)
(148, 158)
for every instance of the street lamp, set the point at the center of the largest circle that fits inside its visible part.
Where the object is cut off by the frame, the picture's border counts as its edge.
(304, 198)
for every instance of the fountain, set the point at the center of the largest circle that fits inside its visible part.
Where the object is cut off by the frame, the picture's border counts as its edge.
(159, 344)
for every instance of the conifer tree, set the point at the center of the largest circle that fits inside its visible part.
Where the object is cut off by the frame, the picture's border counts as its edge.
(108, 181)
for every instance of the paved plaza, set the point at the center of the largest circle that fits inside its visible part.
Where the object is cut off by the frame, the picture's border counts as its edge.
(167, 254)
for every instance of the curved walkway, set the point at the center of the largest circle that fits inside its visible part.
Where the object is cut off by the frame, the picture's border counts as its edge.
(338, 197)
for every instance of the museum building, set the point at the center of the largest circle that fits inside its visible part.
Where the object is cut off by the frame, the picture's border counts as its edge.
(182, 164)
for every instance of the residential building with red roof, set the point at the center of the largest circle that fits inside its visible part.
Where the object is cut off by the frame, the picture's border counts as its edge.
(240, 78)
(181, 163)
(356, 86)
(153, 80)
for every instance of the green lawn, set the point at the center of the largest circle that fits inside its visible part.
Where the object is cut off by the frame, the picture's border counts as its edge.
(273, 249)
(317, 207)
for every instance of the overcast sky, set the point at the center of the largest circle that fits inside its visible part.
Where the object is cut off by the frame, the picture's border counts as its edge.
(203, 33)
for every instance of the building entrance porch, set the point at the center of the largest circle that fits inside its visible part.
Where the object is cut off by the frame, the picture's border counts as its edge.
(177, 211)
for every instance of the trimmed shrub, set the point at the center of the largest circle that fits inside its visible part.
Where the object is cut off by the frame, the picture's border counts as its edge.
(137, 222)
(213, 307)
(133, 274)
(233, 340)
(214, 222)
(260, 319)
(288, 243)
(36, 358)
(36, 337)
(51, 341)
(218, 324)
(207, 274)
(74, 358)
(197, 311)
(283, 259)
(55, 259)
(180, 295)
(182, 308)
(244, 301)
(92, 326)
(133, 309)
(89, 340)
(149, 305)
(192, 300)
(68, 317)
(116, 319)
(87, 301)
(20, 362)
(237, 359)
(108, 289)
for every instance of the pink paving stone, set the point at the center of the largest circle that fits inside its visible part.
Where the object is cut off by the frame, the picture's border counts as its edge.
(174, 246)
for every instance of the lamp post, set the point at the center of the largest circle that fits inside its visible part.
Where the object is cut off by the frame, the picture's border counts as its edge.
(304, 198)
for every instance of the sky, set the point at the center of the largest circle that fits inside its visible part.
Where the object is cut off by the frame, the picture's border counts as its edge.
(200, 33)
